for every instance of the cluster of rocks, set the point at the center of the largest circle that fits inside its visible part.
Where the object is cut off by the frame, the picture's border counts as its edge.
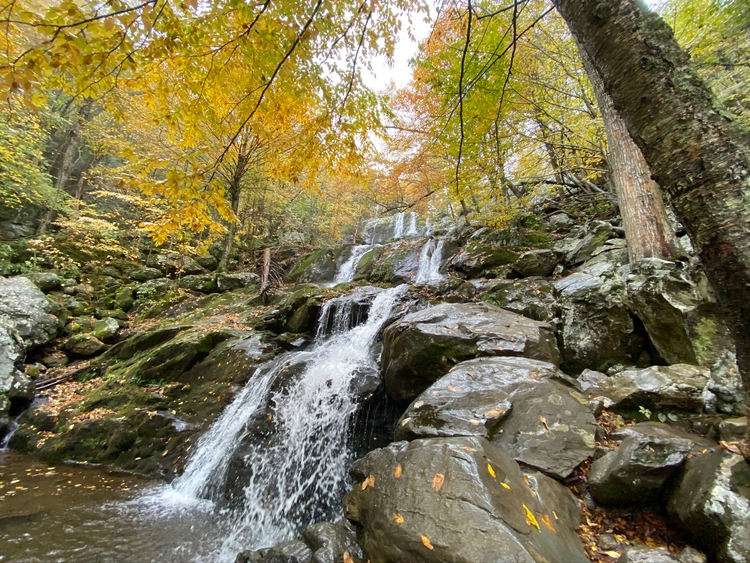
(502, 397)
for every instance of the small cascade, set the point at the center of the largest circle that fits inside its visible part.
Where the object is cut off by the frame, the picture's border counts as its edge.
(413, 230)
(300, 474)
(398, 227)
(12, 427)
(347, 270)
(429, 262)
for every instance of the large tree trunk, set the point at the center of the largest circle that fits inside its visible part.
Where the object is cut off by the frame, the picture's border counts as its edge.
(696, 153)
(644, 217)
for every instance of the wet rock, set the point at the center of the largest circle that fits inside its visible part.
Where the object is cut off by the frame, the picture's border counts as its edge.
(330, 542)
(661, 431)
(458, 499)
(423, 346)
(236, 280)
(643, 554)
(526, 407)
(636, 472)
(537, 262)
(535, 298)
(146, 274)
(680, 387)
(203, 283)
(85, 345)
(597, 234)
(597, 330)
(711, 501)
(733, 429)
(682, 323)
(173, 264)
(55, 360)
(25, 308)
(46, 281)
(477, 258)
(105, 329)
(726, 386)
(292, 551)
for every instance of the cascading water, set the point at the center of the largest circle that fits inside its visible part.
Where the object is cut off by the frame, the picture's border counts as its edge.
(347, 270)
(429, 262)
(413, 230)
(300, 475)
(398, 228)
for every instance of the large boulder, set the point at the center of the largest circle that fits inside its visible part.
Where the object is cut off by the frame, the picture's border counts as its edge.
(318, 266)
(539, 262)
(596, 235)
(146, 274)
(423, 346)
(598, 330)
(85, 345)
(236, 280)
(459, 499)
(173, 264)
(24, 307)
(477, 258)
(46, 281)
(15, 387)
(679, 387)
(711, 501)
(526, 407)
(636, 472)
(535, 298)
(682, 322)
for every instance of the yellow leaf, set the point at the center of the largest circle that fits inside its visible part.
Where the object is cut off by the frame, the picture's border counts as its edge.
(454, 389)
(614, 554)
(427, 543)
(437, 481)
(492, 471)
(369, 482)
(397, 472)
(505, 486)
(530, 518)
(398, 518)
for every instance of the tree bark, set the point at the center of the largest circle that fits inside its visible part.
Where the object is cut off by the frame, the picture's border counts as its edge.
(644, 216)
(698, 154)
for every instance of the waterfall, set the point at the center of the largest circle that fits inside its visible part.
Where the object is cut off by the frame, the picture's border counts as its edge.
(412, 231)
(347, 270)
(429, 262)
(398, 227)
(299, 474)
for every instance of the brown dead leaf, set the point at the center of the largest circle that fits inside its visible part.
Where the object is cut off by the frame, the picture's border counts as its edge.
(426, 543)
(544, 422)
(731, 447)
(398, 471)
(548, 523)
(437, 481)
(495, 412)
(348, 558)
(369, 482)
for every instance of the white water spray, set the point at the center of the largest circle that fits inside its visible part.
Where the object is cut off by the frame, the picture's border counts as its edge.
(429, 262)
(349, 268)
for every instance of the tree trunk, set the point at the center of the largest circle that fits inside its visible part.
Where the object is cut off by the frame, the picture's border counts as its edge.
(644, 217)
(64, 165)
(699, 155)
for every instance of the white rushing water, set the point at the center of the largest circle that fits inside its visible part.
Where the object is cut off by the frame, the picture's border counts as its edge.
(398, 228)
(347, 270)
(428, 270)
(298, 476)
(413, 230)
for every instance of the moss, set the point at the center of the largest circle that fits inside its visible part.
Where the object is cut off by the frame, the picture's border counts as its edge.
(704, 335)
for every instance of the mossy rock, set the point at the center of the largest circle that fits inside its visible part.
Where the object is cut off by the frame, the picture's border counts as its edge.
(476, 258)
(318, 266)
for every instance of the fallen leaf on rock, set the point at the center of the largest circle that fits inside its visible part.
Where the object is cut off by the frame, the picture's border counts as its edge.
(492, 471)
(398, 518)
(397, 472)
(530, 518)
(437, 481)
(426, 543)
(505, 486)
(369, 482)
(548, 523)
(348, 558)
(544, 422)
(731, 447)
(614, 554)
(495, 412)
(454, 389)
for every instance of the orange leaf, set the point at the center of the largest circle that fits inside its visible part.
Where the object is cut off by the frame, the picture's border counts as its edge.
(397, 472)
(437, 481)
(348, 558)
(369, 482)
(427, 543)
(548, 523)
(398, 518)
